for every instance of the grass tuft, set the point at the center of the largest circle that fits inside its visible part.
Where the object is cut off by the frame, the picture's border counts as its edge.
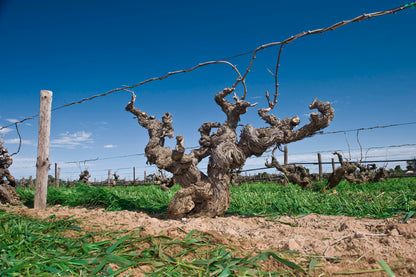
(375, 200)
(33, 247)
(59, 247)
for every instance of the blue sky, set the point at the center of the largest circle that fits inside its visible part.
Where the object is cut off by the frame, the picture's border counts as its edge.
(81, 48)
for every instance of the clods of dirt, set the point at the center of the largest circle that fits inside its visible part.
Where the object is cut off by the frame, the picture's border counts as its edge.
(340, 243)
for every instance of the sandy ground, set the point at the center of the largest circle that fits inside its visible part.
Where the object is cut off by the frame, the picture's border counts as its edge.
(359, 243)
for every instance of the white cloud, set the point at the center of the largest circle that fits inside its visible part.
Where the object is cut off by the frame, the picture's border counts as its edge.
(4, 131)
(16, 140)
(12, 120)
(71, 141)
(22, 164)
(17, 159)
(110, 146)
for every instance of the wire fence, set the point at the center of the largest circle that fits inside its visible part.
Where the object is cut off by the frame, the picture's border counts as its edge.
(239, 80)
(140, 172)
(259, 174)
(76, 167)
(72, 169)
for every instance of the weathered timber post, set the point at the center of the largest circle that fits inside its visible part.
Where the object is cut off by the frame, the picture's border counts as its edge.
(134, 176)
(109, 178)
(42, 162)
(56, 176)
(285, 152)
(333, 165)
(320, 166)
(144, 178)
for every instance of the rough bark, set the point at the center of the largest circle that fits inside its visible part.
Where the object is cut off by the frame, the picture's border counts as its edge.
(116, 177)
(354, 172)
(234, 174)
(161, 180)
(84, 176)
(8, 193)
(345, 171)
(209, 194)
(295, 174)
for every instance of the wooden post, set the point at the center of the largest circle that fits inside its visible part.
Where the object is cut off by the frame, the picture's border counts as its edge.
(109, 178)
(134, 176)
(333, 165)
(320, 166)
(56, 176)
(42, 162)
(285, 152)
(144, 177)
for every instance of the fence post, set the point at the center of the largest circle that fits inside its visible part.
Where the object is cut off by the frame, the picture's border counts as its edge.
(286, 159)
(333, 165)
(56, 176)
(109, 177)
(144, 177)
(42, 162)
(134, 176)
(320, 166)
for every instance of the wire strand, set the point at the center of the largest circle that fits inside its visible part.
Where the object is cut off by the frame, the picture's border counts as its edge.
(224, 61)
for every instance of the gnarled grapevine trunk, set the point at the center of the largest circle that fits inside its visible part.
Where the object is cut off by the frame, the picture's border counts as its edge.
(8, 193)
(84, 176)
(209, 194)
(296, 174)
(354, 172)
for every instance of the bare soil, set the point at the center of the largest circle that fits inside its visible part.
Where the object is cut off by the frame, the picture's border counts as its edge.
(343, 243)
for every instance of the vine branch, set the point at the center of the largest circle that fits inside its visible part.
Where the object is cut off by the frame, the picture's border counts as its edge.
(241, 78)
(20, 140)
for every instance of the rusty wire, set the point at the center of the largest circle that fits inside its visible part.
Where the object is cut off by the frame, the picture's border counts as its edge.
(320, 31)
(20, 141)
(224, 61)
(366, 128)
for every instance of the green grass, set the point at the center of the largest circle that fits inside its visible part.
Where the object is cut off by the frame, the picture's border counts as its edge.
(33, 247)
(376, 200)
(150, 199)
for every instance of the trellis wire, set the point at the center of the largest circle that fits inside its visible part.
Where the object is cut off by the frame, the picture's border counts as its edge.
(224, 61)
